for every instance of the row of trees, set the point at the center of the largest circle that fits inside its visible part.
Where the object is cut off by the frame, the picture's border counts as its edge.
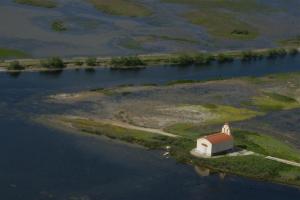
(182, 60)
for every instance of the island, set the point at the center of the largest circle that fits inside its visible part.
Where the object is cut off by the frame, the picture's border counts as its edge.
(173, 116)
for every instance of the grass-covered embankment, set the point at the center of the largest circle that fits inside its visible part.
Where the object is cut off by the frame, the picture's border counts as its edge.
(39, 3)
(129, 8)
(141, 61)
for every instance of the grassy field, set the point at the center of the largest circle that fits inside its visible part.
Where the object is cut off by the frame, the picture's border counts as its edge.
(273, 101)
(39, 3)
(12, 53)
(147, 139)
(130, 8)
(222, 18)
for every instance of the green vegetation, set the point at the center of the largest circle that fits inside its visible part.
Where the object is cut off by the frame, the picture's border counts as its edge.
(12, 53)
(291, 42)
(222, 18)
(224, 25)
(177, 39)
(273, 101)
(58, 26)
(91, 61)
(266, 145)
(254, 166)
(129, 43)
(223, 113)
(39, 3)
(15, 65)
(53, 63)
(79, 63)
(222, 58)
(147, 139)
(130, 8)
(197, 59)
(126, 61)
(137, 62)
(273, 53)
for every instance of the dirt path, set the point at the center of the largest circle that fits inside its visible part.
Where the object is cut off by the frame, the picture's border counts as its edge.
(288, 162)
(129, 126)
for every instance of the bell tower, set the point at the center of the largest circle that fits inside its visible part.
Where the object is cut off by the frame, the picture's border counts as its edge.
(226, 129)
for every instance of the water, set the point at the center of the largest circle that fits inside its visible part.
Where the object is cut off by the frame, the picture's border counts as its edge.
(41, 163)
(91, 32)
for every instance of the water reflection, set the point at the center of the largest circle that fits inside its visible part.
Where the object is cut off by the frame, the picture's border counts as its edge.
(204, 172)
(51, 73)
(15, 74)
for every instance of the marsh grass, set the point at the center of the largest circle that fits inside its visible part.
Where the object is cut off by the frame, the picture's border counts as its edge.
(58, 26)
(127, 8)
(39, 3)
(12, 53)
(273, 101)
(150, 140)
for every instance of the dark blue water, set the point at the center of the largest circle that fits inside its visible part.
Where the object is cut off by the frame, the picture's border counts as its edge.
(40, 163)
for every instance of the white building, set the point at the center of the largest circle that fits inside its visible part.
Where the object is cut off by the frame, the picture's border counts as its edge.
(215, 143)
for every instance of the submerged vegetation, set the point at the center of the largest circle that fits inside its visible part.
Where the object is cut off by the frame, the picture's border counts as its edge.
(221, 18)
(58, 26)
(12, 53)
(128, 8)
(39, 3)
(291, 42)
(274, 101)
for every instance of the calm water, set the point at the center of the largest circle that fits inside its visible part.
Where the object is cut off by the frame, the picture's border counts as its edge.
(40, 163)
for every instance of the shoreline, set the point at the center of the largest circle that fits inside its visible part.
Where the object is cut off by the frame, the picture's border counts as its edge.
(148, 60)
(192, 161)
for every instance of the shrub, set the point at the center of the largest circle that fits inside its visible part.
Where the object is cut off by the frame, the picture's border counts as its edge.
(273, 53)
(222, 58)
(183, 60)
(240, 32)
(203, 59)
(79, 63)
(54, 62)
(127, 61)
(15, 65)
(91, 61)
(58, 26)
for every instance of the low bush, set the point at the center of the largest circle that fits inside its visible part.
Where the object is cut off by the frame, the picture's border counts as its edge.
(91, 61)
(54, 62)
(126, 61)
(15, 65)
(222, 58)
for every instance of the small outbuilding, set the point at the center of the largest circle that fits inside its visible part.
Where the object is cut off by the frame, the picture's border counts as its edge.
(216, 143)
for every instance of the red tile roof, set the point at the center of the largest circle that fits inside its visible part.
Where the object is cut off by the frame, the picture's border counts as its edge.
(218, 138)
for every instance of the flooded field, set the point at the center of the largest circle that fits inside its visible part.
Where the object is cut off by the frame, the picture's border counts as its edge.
(90, 31)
